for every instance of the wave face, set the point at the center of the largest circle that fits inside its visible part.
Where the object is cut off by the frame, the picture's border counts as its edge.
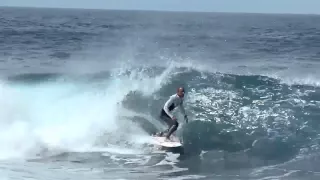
(83, 93)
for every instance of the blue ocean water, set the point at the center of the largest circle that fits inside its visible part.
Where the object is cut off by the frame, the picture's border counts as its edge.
(81, 92)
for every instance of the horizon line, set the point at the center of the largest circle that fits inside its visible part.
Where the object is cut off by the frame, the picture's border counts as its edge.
(158, 10)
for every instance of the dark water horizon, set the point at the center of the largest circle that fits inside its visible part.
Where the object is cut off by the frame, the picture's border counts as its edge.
(81, 91)
(162, 11)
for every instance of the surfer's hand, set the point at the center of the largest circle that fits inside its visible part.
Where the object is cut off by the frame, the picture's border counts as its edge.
(174, 118)
(186, 118)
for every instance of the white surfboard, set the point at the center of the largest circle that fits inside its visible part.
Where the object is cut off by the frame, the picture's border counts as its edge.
(174, 142)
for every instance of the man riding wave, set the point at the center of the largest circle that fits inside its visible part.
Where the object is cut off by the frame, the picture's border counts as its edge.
(166, 115)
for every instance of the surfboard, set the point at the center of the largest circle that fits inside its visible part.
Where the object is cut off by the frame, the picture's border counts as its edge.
(174, 141)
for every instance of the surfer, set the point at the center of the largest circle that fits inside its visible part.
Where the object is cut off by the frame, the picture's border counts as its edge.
(166, 115)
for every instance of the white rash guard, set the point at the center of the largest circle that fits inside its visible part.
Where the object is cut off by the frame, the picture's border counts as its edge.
(172, 103)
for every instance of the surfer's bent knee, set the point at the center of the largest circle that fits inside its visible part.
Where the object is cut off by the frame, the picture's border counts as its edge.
(176, 123)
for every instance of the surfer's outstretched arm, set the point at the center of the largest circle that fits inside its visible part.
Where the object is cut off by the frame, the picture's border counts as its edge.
(183, 111)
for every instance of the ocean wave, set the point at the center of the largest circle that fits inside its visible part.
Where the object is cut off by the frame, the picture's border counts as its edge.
(229, 112)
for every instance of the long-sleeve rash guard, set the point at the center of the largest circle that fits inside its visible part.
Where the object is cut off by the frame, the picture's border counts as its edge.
(172, 103)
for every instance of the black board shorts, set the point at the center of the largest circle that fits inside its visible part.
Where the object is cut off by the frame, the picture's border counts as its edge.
(166, 118)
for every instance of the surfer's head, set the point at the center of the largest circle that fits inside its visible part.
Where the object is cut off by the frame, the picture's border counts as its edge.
(180, 92)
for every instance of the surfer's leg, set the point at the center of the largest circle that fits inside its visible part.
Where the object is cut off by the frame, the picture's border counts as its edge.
(167, 120)
(172, 129)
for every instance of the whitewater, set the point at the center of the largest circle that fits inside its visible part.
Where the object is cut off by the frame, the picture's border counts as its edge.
(67, 115)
